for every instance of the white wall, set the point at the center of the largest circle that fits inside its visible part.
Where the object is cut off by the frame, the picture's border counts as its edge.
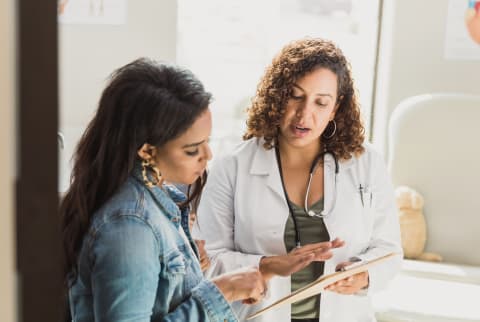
(411, 59)
(7, 156)
(89, 53)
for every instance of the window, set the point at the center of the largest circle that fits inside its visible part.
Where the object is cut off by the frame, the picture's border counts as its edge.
(228, 44)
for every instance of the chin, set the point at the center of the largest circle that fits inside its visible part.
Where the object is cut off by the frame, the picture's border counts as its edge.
(184, 180)
(194, 178)
(303, 142)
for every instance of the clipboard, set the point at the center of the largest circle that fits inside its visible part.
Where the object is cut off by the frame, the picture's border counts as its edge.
(319, 284)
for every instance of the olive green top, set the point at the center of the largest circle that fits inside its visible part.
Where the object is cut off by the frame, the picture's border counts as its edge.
(311, 230)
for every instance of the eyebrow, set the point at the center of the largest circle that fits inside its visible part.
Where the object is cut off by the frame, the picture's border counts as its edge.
(192, 144)
(318, 94)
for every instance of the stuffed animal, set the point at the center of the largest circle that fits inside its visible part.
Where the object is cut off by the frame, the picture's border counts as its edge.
(412, 224)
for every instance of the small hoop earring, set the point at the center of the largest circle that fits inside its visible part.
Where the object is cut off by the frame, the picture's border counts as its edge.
(156, 173)
(333, 132)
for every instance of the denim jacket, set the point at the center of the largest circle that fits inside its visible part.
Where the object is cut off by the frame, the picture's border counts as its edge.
(134, 265)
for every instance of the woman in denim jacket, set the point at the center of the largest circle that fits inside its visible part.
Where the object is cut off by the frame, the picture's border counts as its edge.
(129, 252)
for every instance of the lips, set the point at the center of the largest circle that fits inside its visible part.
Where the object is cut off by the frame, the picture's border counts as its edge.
(200, 172)
(299, 128)
(299, 131)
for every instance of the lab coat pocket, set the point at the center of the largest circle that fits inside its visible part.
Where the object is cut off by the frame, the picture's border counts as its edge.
(368, 211)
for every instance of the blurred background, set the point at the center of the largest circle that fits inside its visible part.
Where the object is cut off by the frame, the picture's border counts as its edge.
(227, 44)
(56, 56)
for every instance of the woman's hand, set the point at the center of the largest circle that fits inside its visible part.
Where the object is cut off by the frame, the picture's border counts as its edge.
(202, 253)
(247, 285)
(349, 285)
(297, 259)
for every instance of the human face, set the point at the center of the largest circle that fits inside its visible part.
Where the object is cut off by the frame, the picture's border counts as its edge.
(184, 159)
(312, 105)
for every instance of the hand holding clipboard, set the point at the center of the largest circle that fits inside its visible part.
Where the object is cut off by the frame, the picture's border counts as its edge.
(323, 281)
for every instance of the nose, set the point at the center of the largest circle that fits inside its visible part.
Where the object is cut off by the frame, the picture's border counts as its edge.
(207, 152)
(304, 109)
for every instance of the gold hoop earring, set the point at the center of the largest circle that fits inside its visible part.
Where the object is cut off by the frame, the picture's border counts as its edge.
(157, 175)
(333, 131)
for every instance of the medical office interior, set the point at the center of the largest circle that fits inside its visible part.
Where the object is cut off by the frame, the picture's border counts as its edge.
(416, 66)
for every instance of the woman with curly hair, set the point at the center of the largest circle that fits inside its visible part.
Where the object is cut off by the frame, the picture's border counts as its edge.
(304, 195)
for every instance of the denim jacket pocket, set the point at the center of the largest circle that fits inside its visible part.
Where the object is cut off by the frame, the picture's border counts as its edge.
(175, 263)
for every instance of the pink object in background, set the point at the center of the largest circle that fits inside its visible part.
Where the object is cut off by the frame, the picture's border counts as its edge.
(472, 21)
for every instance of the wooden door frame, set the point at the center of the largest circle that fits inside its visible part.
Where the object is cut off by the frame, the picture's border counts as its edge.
(37, 227)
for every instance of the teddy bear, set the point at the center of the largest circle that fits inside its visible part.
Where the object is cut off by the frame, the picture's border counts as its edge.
(412, 224)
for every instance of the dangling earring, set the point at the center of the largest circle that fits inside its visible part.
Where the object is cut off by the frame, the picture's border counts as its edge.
(333, 132)
(156, 173)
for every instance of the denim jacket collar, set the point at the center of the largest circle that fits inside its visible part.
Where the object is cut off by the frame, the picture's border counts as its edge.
(168, 197)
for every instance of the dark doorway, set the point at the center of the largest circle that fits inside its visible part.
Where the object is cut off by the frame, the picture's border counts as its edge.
(38, 238)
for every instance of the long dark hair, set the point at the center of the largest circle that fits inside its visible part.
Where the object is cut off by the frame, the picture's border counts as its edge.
(144, 102)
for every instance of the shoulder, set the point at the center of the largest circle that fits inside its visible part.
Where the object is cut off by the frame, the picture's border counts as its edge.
(372, 152)
(123, 243)
(369, 163)
(242, 154)
(129, 199)
(245, 150)
(370, 156)
(131, 206)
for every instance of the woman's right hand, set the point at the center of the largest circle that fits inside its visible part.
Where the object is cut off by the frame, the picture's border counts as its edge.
(247, 285)
(297, 259)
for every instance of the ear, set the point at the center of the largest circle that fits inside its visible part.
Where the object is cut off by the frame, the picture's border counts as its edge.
(335, 109)
(147, 152)
(332, 115)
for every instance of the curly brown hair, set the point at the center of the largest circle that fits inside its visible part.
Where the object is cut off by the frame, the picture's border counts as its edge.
(294, 61)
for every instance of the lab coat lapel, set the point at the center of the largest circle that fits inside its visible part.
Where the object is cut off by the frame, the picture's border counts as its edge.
(264, 163)
(332, 190)
(329, 184)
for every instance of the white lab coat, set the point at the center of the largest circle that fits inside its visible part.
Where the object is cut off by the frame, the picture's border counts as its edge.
(243, 212)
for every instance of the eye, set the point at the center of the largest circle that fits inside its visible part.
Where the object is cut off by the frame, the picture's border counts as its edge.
(322, 104)
(192, 153)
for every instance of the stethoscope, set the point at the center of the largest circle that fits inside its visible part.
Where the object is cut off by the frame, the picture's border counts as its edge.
(310, 212)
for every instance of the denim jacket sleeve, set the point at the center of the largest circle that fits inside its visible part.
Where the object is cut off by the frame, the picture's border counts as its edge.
(125, 278)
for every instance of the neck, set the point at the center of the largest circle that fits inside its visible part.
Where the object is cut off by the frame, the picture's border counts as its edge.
(293, 156)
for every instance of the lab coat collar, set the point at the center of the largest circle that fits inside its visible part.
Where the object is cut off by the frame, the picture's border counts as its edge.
(264, 163)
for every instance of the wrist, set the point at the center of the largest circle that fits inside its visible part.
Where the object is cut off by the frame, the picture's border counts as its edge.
(264, 267)
(225, 288)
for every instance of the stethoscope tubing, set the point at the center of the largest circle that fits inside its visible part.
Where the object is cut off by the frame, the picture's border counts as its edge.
(312, 170)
